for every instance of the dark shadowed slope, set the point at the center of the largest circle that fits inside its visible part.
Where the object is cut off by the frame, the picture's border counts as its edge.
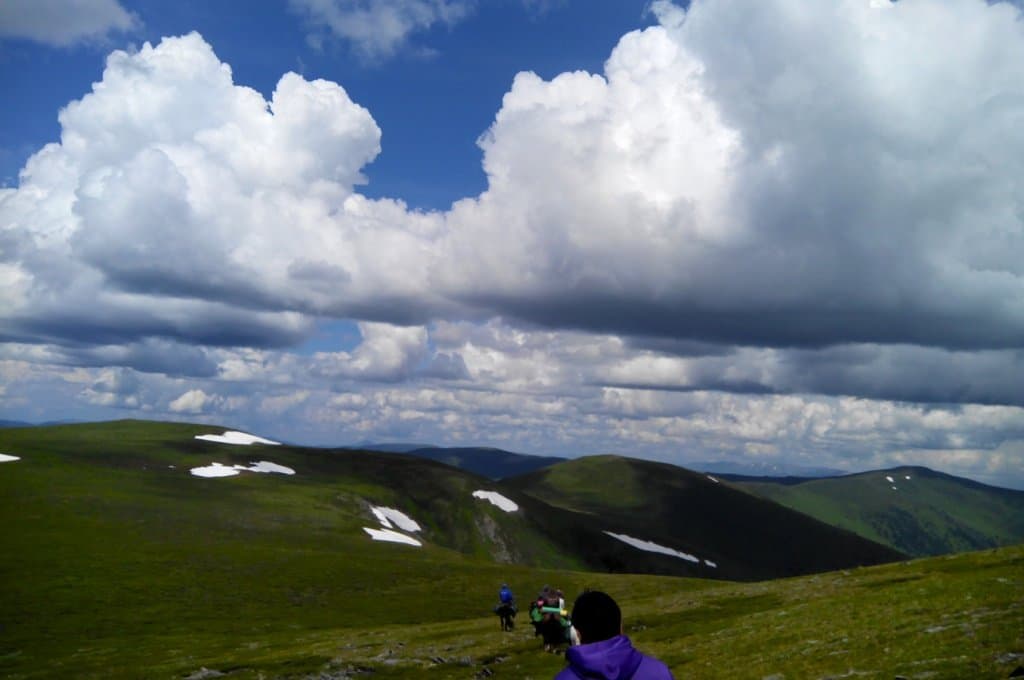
(913, 509)
(744, 536)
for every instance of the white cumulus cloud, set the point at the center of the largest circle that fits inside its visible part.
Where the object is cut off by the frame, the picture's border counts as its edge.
(781, 174)
(193, 401)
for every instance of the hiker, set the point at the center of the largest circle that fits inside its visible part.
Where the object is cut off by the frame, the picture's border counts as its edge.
(604, 653)
(506, 608)
(550, 619)
(536, 617)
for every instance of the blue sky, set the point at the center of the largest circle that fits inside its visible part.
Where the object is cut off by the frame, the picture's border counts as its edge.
(447, 81)
(782, 232)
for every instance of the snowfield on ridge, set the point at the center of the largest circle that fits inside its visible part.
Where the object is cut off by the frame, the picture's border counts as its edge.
(496, 499)
(221, 470)
(236, 438)
(650, 546)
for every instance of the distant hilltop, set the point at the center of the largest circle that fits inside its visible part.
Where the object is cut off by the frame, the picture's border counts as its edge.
(482, 460)
(759, 469)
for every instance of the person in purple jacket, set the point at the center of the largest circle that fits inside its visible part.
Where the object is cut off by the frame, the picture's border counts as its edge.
(604, 653)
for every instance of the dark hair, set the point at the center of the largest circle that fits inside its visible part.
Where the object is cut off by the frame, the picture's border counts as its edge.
(596, 616)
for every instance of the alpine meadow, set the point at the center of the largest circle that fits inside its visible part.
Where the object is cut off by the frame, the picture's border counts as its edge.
(526, 339)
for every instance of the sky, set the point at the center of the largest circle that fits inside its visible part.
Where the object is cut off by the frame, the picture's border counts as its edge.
(778, 232)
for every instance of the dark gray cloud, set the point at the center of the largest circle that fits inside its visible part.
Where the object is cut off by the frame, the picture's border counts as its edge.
(200, 325)
(883, 372)
(63, 22)
(149, 356)
(808, 323)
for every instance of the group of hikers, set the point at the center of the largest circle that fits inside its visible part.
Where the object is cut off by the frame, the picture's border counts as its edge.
(598, 649)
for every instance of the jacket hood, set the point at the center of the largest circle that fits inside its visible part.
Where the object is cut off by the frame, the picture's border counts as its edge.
(612, 659)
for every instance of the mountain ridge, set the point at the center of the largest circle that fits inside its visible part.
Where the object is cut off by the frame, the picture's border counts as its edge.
(692, 513)
(914, 509)
(487, 461)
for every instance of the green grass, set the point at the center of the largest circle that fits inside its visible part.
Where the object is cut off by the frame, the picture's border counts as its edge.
(591, 483)
(114, 565)
(928, 514)
(940, 618)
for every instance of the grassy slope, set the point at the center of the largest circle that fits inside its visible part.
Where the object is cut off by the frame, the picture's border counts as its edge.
(929, 514)
(743, 534)
(113, 565)
(124, 469)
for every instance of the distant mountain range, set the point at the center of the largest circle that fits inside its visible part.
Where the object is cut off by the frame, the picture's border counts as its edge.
(499, 463)
(484, 461)
(390, 447)
(726, 467)
(23, 423)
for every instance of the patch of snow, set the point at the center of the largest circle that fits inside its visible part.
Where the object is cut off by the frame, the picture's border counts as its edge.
(388, 515)
(907, 477)
(220, 470)
(506, 504)
(889, 479)
(894, 488)
(267, 466)
(391, 536)
(4, 458)
(711, 564)
(652, 547)
(236, 438)
(172, 467)
(713, 479)
(215, 470)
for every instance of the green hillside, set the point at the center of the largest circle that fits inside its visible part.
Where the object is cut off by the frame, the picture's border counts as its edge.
(735, 534)
(913, 509)
(113, 564)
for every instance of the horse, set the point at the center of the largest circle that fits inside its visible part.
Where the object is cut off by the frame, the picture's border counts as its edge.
(507, 612)
(553, 632)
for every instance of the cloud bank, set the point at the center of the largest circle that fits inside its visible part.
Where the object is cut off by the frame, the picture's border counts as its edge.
(762, 229)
